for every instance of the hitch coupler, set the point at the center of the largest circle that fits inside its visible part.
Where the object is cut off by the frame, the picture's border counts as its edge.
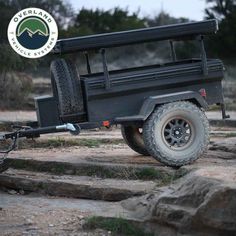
(72, 128)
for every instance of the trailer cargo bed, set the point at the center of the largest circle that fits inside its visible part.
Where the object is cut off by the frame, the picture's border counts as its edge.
(132, 86)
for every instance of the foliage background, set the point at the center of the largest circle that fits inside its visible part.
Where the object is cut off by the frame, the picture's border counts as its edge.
(21, 79)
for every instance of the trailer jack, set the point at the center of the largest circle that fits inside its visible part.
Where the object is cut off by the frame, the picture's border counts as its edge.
(29, 132)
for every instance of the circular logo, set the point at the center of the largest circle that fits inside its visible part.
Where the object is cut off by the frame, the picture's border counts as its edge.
(32, 33)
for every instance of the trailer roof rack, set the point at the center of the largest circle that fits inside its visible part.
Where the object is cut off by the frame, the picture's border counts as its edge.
(169, 32)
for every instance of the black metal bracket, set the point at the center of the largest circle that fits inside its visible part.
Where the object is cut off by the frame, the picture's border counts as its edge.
(105, 69)
(88, 62)
(172, 50)
(203, 55)
(223, 109)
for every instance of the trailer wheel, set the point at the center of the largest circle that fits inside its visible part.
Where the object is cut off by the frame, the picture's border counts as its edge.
(133, 138)
(66, 86)
(177, 133)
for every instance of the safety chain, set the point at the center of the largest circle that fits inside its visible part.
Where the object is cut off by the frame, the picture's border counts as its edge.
(3, 158)
(13, 146)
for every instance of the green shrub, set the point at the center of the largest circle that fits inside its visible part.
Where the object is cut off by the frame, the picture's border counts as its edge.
(14, 90)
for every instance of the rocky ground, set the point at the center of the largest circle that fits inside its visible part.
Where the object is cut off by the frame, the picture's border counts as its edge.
(57, 182)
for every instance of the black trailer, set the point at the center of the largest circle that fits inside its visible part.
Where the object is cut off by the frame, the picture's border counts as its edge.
(160, 107)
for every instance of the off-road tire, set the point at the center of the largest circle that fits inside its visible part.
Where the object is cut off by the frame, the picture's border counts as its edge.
(155, 141)
(133, 138)
(66, 87)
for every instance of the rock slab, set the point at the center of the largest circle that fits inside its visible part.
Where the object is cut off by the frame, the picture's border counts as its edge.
(202, 203)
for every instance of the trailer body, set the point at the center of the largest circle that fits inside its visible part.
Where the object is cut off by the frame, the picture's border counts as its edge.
(122, 96)
(166, 101)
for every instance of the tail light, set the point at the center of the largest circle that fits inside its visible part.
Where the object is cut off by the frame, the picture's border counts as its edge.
(203, 92)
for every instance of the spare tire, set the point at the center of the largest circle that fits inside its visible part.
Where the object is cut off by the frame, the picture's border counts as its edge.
(66, 87)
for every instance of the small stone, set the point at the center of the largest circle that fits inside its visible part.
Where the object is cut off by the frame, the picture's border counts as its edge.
(69, 172)
(51, 225)
(22, 192)
(82, 222)
(12, 192)
(81, 217)
(29, 221)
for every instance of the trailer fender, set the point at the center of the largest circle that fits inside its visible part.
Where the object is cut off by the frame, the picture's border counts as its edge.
(150, 103)
(153, 101)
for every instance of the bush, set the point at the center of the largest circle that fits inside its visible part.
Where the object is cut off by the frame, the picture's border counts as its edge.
(14, 90)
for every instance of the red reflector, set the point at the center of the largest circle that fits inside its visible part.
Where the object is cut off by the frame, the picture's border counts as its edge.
(203, 92)
(106, 123)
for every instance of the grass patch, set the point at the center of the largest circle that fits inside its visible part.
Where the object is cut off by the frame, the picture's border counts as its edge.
(150, 173)
(164, 178)
(230, 106)
(5, 127)
(130, 173)
(230, 135)
(62, 142)
(117, 226)
(224, 135)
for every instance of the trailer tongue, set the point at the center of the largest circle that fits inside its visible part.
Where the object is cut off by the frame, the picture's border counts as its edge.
(29, 132)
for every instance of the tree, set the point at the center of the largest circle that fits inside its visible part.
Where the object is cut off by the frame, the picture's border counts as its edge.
(220, 9)
(223, 43)
(100, 21)
(164, 18)
(12, 84)
(61, 10)
(7, 10)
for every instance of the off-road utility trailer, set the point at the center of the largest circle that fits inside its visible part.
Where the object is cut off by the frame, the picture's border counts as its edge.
(160, 107)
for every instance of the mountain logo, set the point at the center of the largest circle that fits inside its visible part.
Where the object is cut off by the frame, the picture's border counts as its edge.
(32, 32)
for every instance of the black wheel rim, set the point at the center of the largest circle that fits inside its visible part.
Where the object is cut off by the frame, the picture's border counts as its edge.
(177, 133)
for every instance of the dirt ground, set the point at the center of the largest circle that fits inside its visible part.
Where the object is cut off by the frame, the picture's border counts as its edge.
(35, 214)
(120, 153)
(40, 215)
